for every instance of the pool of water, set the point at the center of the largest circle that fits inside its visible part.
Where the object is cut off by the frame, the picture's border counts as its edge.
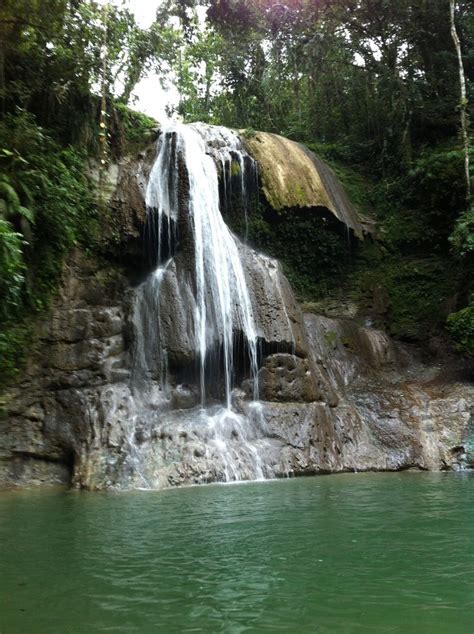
(335, 554)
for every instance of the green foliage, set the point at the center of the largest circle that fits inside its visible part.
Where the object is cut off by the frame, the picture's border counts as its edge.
(313, 253)
(67, 217)
(137, 126)
(462, 238)
(312, 245)
(235, 168)
(407, 230)
(371, 86)
(12, 268)
(55, 56)
(51, 180)
(10, 204)
(378, 77)
(359, 187)
(248, 133)
(417, 210)
(330, 338)
(435, 186)
(461, 327)
(417, 291)
(15, 342)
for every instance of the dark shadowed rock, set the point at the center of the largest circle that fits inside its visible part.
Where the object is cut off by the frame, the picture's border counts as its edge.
(277, 314)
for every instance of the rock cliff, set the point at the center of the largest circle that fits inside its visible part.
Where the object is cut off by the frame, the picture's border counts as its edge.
(96, 410)
(293, 176)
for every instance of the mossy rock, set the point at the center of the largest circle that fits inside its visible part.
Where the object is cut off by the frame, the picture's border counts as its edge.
(293, 176)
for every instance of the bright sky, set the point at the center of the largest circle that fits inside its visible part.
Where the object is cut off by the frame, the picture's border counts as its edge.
(144, 11)
(152, 99)
(150, 96)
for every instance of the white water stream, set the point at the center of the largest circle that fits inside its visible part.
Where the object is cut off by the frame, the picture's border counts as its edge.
(221, 305)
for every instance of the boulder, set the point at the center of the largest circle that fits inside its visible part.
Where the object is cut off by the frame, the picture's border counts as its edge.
(293, 176)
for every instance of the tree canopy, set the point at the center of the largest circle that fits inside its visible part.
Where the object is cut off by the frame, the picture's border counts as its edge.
(372, 85)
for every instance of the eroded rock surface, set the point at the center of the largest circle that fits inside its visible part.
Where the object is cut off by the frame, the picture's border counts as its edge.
(80, 348)
(75, 417)
(293, 176)
(333, 395)
(404, 413)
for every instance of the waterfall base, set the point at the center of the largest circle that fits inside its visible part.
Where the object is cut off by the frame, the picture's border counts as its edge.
(180, 447)
(73, 417)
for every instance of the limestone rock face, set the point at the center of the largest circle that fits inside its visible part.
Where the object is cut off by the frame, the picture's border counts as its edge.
(404, 413)
(75, 417)
(287, 378)
(293, 176)
(80, 347)
(333, 395)
(176, 310)
(279, 318)
(277, 314)
(123, 185)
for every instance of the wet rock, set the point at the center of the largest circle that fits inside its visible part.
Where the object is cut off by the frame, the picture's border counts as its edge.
(385, 417)
(336, 396)
(175, 306)
(344, 350)
(27, 471)
(277, 314)
(285, 377)
(184, 397)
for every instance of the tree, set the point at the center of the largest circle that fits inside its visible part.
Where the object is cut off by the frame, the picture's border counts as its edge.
(463, 104)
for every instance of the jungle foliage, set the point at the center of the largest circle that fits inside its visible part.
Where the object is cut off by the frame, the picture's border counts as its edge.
(67, 70)
(371, 85)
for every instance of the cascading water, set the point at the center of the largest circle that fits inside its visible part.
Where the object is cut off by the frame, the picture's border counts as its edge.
(213, 286)
(238, 171)
(186, 408)
(222, 301)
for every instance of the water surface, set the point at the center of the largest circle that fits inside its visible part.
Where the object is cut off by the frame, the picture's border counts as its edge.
(382, 553)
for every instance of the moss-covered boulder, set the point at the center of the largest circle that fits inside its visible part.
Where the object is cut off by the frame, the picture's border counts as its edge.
(293, 176)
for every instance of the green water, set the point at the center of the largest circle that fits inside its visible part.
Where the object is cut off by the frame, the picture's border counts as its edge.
(339, 554)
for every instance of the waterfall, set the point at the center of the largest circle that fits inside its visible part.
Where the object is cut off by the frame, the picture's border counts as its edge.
(196, 303)
(150, 354)
(238, 171)
(222, 304)
(200, 318)
(162, 198)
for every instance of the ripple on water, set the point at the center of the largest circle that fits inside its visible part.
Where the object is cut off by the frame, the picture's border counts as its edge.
(353, 553)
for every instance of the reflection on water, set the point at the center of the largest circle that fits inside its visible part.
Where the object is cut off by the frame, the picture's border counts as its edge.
(352, 553)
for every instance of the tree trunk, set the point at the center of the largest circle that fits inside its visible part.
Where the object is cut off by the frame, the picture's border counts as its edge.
(3, 44)
(103, 129)
(463, 101)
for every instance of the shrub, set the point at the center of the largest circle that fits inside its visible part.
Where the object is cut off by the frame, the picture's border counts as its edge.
(461, 327)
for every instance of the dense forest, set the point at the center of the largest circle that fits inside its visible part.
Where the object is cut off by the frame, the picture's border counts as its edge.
(381, 90)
